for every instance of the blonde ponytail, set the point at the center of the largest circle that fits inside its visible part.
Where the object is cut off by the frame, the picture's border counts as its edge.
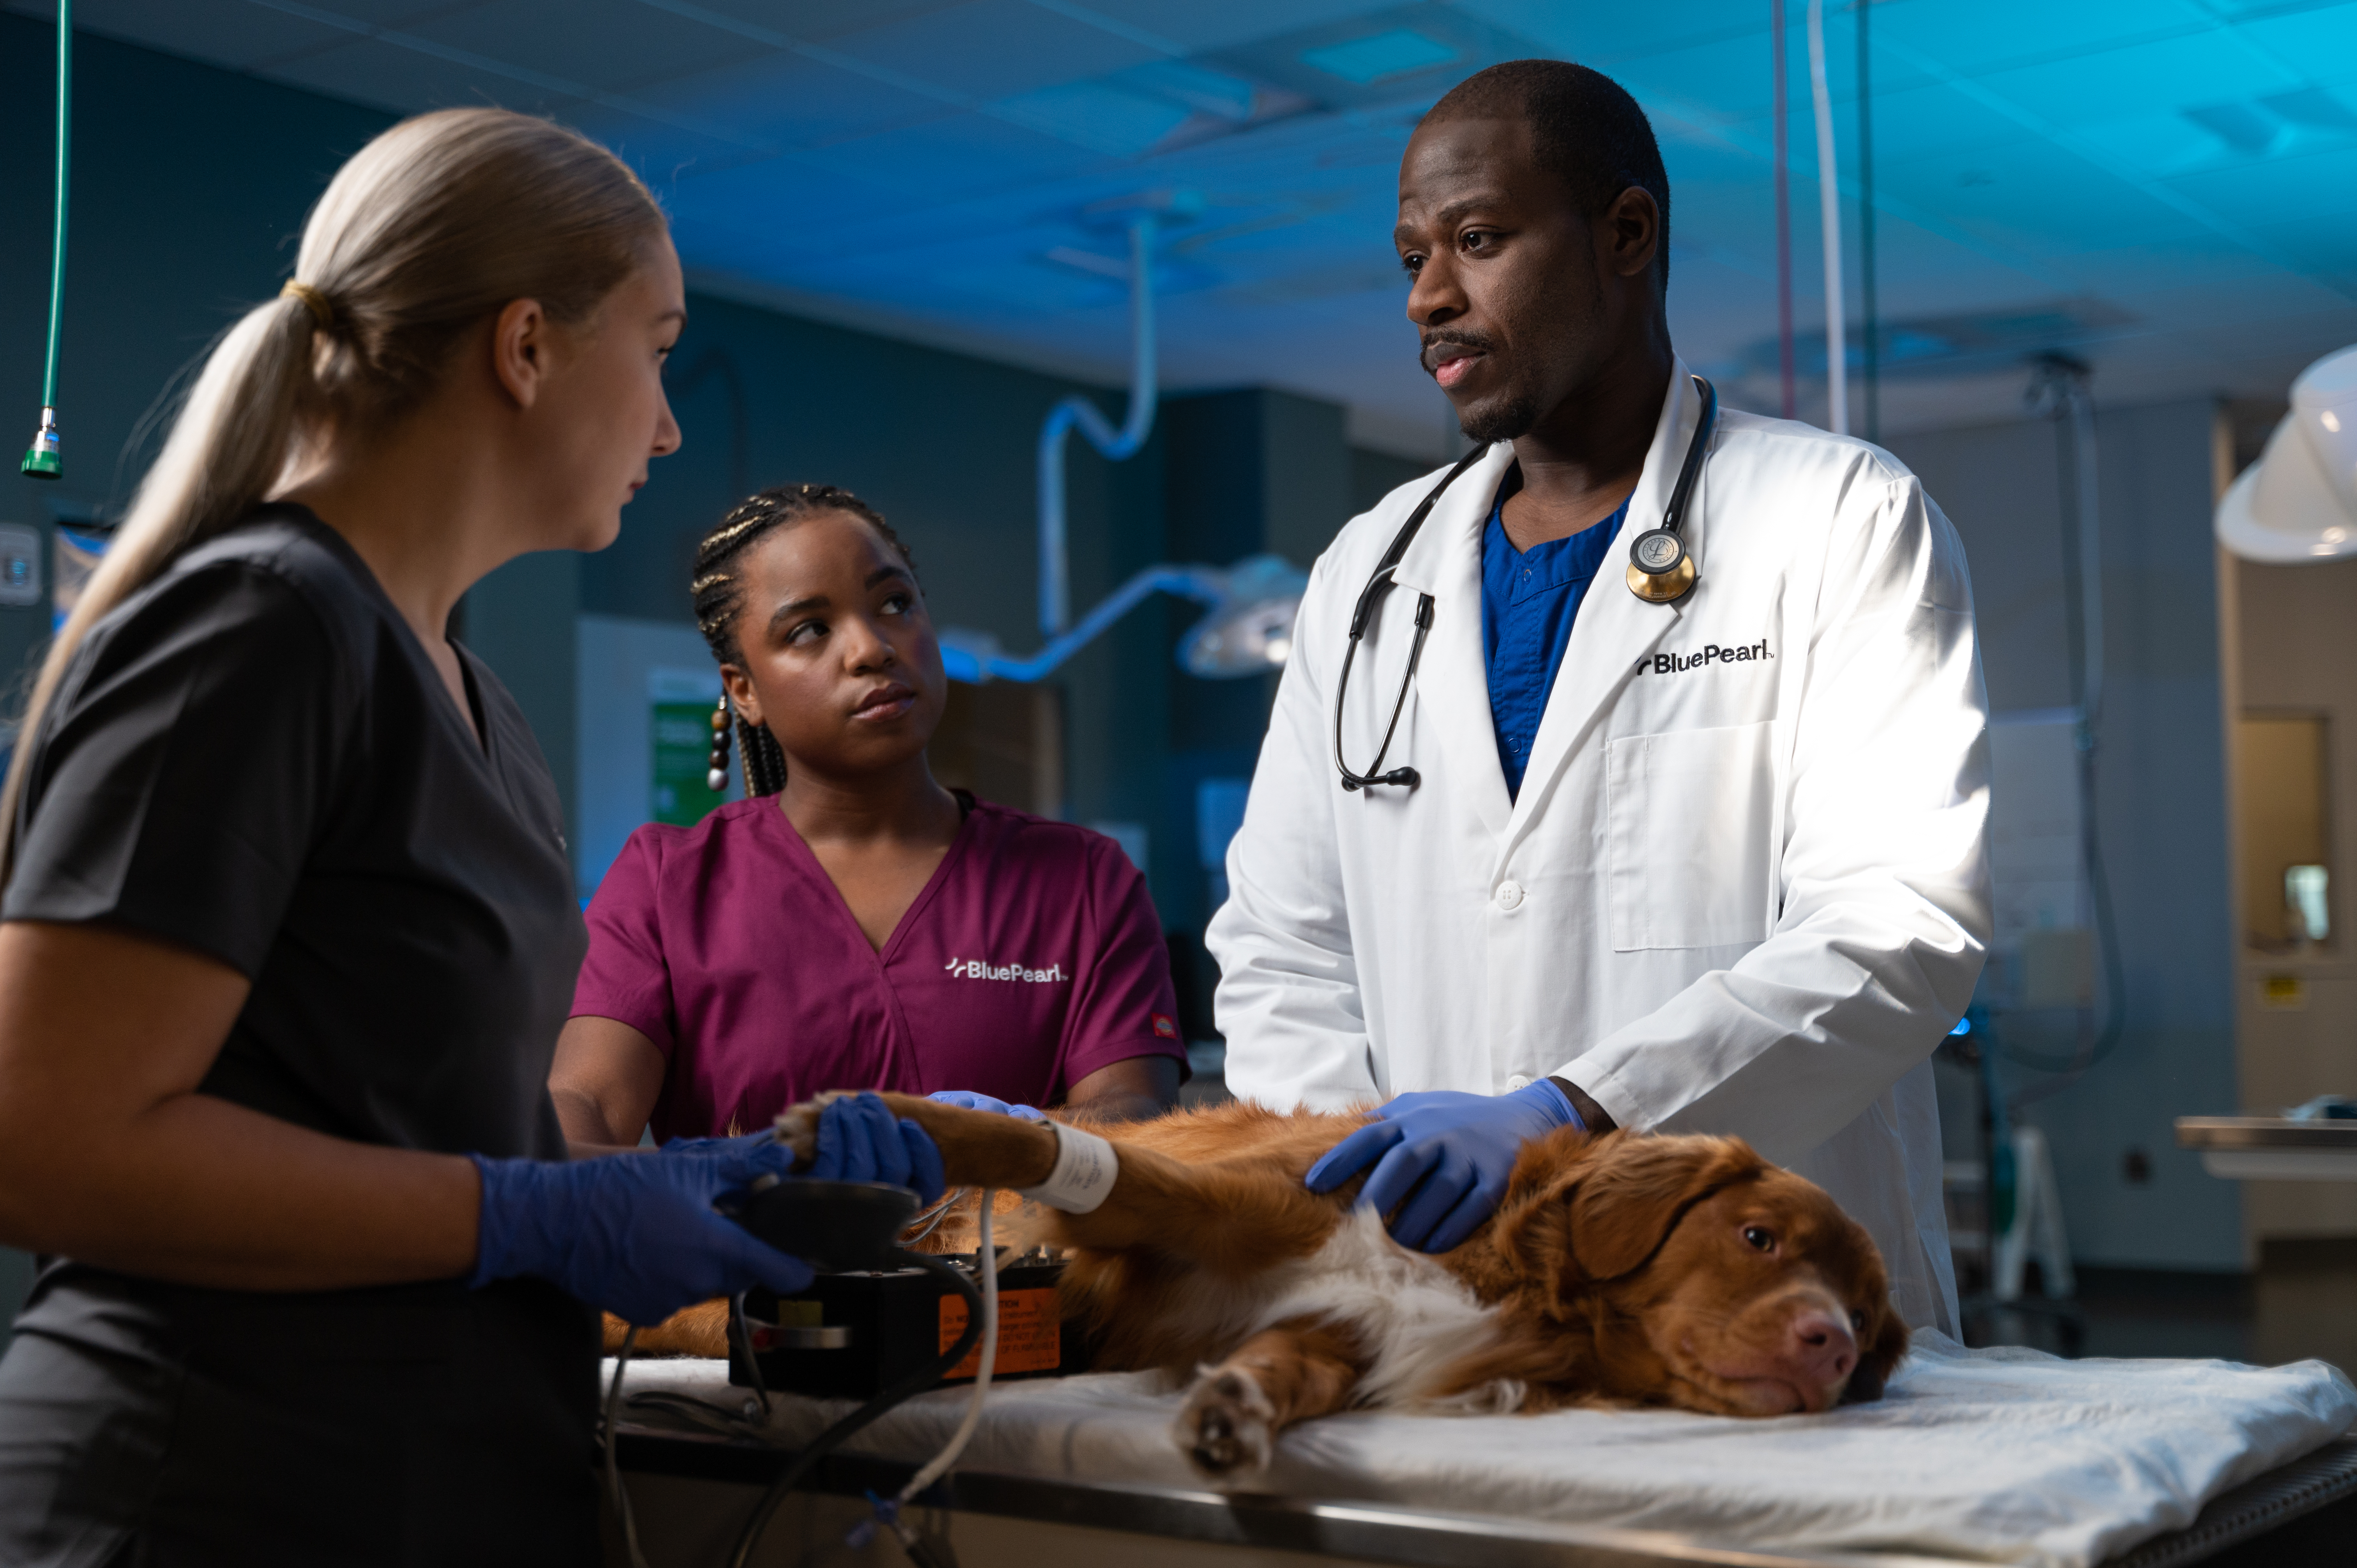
(429, 229)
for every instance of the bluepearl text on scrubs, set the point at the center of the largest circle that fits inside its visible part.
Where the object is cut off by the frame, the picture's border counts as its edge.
(981, 969)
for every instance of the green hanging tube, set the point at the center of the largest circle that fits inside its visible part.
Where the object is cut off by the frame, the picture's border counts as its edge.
(44, 461)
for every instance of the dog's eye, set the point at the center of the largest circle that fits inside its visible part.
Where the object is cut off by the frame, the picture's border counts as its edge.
(1761, 1237)
(1857, 1322)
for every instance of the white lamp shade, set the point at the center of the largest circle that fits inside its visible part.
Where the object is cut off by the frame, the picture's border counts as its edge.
(2298, 501)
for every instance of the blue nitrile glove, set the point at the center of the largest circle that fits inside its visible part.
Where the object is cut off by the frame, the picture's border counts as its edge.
(859, 1140)
(635, 1234)
(972, 1102)
(1444, 1158)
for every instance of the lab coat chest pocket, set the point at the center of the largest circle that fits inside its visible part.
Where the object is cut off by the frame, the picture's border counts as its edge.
(1687, 822)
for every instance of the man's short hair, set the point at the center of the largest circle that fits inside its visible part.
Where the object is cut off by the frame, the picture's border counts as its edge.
(1584, 130)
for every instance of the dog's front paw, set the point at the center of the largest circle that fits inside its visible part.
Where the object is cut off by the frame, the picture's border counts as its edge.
(797, 1125)
(1226, 1427)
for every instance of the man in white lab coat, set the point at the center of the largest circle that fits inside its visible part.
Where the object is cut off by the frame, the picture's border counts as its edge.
(1709, 866)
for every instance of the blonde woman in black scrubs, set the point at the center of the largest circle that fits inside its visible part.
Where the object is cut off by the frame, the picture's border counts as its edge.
(289, 930)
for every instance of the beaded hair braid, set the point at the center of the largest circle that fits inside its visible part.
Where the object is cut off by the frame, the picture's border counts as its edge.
(719, 597)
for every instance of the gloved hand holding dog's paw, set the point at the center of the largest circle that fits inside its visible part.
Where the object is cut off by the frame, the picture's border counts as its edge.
(860, 1140)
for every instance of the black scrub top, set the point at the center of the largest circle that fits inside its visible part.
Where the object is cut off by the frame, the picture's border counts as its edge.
(254, 758)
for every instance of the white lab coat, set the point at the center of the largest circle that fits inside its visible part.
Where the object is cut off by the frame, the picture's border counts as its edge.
(1743, 895)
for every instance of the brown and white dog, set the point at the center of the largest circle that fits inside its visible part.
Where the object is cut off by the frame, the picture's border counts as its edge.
(1621, 1268)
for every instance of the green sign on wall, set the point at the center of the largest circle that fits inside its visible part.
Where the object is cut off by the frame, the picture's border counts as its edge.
(680, 726)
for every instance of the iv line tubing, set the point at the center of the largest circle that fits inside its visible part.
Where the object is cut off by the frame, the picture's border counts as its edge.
(1055, 588)
(57, 243)
(1787, 402)
(1829, 210)
(33, 465)
(1868, 346)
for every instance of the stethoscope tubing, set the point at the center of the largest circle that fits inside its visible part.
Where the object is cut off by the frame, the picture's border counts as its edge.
(1379, 582)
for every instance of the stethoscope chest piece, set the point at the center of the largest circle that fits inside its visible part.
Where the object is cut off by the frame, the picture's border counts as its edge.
(1660, 570)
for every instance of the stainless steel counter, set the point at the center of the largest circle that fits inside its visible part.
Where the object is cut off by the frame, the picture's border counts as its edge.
(692, 1491)
(2272, 1148)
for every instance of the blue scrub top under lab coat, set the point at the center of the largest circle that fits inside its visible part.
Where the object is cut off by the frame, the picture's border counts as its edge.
(1529, 600)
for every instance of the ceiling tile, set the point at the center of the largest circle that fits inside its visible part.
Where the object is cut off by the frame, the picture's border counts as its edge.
(371, 70)
(994, 49)
(786, 99)
(1219, 23)
(231, 33)
(812, 21)
(2091, 89)
(602, 46)
(1601, 35)
(1992, 34)
(956, 158)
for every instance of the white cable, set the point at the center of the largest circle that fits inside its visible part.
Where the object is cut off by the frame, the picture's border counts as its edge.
(986, 1259)
(1829, 206)
(614, 1487)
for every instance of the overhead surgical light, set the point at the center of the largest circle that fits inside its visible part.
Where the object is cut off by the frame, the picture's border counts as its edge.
(2298, 501)
(1249, 630)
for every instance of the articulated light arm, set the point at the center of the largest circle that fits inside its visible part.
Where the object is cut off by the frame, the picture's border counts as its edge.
(1055, 589)
(1247, 629)
(974, 657)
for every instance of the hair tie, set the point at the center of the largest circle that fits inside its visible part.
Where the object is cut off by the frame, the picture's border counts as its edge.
(313, 300)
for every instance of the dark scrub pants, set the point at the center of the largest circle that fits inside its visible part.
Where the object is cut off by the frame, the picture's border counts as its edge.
(253, 759)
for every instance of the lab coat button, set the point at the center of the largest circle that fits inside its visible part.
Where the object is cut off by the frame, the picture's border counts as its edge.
(1516, 1083)
(1510, 895)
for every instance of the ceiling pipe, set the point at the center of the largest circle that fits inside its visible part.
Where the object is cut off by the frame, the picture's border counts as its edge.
(1055, 575)
(1829, 211)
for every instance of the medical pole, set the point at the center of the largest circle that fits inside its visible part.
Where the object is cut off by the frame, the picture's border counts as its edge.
(1783, 215)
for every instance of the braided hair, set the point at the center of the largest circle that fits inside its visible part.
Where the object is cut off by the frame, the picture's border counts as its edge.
(719, 596)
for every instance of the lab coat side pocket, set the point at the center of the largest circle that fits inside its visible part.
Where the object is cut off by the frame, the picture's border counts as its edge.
(1687, 822)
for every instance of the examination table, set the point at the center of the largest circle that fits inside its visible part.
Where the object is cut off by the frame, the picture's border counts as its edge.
(2002, 1456)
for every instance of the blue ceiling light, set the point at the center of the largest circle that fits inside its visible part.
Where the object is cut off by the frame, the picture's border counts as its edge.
(1380, 56)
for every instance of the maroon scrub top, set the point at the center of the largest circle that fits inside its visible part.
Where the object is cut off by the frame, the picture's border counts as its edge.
(1032, 958)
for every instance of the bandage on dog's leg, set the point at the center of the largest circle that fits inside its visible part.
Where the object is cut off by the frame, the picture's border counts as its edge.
(1230, 1217)
(1294, 1371)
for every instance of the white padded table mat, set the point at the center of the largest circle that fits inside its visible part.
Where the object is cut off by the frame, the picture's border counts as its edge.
(2003, 1456)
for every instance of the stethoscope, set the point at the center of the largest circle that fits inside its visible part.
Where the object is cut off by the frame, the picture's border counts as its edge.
(1661, 572)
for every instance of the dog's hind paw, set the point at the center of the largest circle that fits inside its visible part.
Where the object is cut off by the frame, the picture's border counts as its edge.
(1227, 1424)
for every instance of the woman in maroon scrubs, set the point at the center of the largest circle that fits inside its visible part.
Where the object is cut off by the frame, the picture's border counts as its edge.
(853, 924)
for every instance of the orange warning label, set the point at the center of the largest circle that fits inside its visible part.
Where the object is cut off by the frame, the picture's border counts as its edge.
(1029, 1333)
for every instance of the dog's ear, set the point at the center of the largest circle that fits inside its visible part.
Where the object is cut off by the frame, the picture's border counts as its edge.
(1533, 1228)
(1637, 1190)
(1876, 1362)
